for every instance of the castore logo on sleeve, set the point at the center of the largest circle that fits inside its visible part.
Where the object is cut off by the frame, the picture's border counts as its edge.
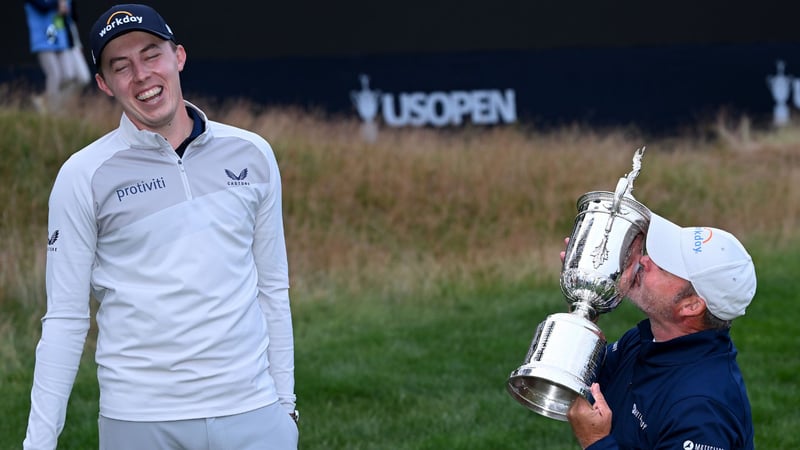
(51, 242)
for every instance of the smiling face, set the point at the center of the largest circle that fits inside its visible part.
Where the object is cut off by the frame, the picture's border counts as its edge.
(142, 72)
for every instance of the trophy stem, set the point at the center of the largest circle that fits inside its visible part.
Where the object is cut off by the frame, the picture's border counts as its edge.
(584, 310)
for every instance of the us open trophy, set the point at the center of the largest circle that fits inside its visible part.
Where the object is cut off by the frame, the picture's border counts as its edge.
(568, 348)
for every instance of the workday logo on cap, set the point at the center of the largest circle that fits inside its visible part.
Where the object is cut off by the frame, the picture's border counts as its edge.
(701, 236)
(122, 19)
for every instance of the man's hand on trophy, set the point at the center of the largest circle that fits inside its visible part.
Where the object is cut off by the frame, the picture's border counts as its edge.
(590, 423)
(564, 252)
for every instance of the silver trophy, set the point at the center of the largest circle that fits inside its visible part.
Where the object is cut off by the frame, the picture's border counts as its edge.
(568, 348)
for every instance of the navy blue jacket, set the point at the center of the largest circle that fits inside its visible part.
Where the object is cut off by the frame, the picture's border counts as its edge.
(686, 393)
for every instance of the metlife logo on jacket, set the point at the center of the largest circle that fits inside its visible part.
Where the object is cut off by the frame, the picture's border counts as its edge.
(437, 108)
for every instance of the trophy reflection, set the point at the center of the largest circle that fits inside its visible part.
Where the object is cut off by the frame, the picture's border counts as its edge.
(568, 348)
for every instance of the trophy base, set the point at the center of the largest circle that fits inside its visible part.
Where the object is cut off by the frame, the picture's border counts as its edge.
(561, 365)
(541, 395)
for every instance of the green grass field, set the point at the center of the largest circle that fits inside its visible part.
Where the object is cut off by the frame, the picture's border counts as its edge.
(429, 373)
(421, 265)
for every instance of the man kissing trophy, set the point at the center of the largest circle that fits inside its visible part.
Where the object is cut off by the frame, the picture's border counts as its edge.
(568, 348)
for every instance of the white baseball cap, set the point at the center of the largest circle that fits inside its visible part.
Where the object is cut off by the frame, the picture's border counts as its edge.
(713, 260)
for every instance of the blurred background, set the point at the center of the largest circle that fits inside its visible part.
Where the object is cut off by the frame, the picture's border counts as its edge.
(659, 66)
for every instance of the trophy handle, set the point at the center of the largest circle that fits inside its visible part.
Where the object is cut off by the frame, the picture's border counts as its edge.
(624, 189)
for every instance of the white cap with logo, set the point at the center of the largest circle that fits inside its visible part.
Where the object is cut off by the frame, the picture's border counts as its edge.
(713, 260)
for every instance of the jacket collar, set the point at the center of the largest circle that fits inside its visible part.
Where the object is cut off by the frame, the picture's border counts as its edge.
(146, 139)
(684, 349)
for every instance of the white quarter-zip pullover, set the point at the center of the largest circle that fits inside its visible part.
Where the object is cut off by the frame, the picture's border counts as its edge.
(187, 259)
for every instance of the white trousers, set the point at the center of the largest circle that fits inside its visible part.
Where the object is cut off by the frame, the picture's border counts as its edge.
(267, 428)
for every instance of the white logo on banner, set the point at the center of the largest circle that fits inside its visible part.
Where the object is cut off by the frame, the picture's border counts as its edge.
(780, 86)
(438, 108)
(366, 100)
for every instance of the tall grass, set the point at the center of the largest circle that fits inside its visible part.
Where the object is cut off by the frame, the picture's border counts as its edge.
(421, 203)
(386, 234)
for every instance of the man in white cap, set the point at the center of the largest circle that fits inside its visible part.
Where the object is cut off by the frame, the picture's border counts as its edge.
(672, 382)
(174, 222)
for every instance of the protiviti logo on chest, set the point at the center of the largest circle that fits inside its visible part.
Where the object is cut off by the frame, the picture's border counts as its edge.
(141, 187)
(119, 18)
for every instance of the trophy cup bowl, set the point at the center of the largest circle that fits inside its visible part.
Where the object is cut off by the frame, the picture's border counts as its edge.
(568, 348)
